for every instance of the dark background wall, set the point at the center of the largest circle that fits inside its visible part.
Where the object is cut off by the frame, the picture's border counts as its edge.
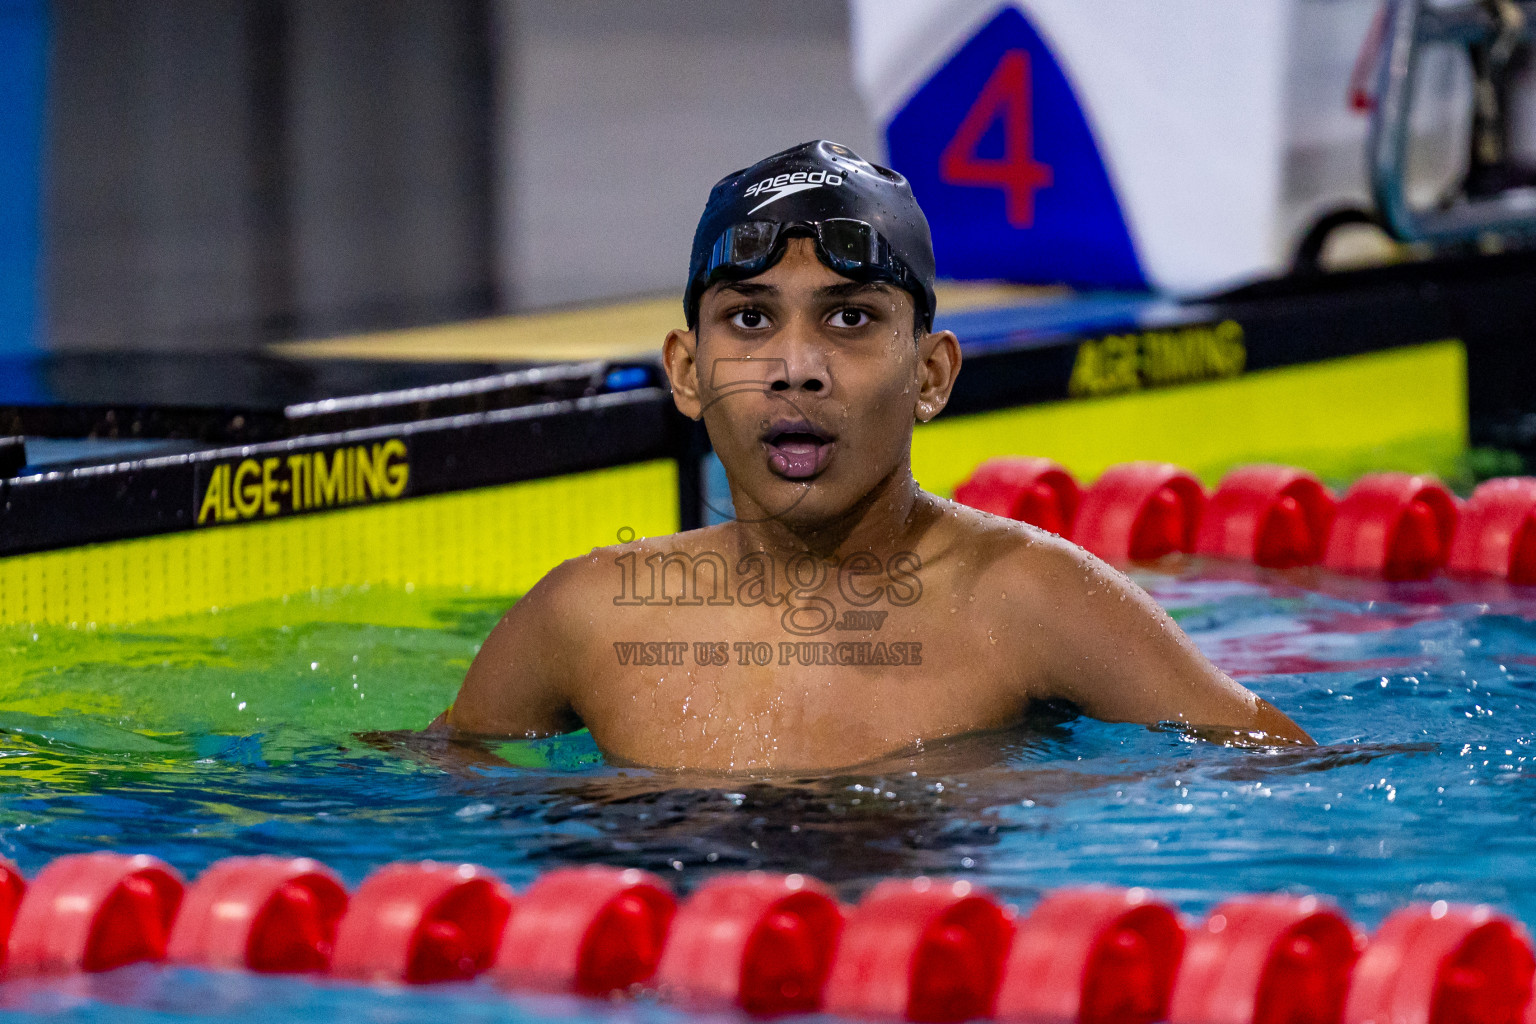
(622, 115)
(220, 173)
(223, 172)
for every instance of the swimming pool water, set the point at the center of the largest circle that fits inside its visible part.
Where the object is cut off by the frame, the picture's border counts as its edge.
(281, 728)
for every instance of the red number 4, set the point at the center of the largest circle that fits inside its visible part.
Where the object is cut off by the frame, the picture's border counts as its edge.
(1017, 173)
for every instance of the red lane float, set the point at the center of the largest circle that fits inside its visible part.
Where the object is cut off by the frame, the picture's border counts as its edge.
(587, 930)
(760, 942)
(920, 950)
(1273, 959)
(1392, 526)
(773, 944)
(1496, 532)
(422, 923)
(1031, 490)
(1092, 956)
(1443, 964)
(1273, 516)
(270, 914)
(1140, 511)
(94, 912)
(13, 885)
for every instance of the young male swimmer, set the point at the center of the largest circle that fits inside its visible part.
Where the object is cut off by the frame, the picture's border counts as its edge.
(845, 613)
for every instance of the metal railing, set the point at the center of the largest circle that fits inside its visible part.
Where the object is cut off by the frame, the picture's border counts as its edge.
(1496, 197)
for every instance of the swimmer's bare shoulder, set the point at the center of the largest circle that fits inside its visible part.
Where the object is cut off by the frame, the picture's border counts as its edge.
(534, 675)
(520, 681)
(1091, 636)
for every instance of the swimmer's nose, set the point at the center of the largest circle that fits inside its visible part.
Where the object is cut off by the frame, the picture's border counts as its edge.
(802, 364)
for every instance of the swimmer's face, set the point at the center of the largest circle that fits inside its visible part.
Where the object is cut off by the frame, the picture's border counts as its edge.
(809, 384)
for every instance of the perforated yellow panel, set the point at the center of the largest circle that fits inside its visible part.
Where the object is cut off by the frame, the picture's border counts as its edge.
(496, 539)
(1403, 409)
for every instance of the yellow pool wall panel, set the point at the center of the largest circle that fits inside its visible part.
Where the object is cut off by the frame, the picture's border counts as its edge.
(497, 540)
(1401, 409)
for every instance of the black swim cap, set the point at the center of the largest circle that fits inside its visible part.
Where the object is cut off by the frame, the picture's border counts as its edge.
(809, 184)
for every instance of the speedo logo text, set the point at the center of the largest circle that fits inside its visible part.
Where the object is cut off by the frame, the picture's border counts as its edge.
(782, 185)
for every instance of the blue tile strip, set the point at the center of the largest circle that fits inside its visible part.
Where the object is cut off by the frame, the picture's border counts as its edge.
(23, 72)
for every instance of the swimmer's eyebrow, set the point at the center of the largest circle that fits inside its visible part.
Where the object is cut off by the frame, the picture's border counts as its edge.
(850, 288)
(748, 288)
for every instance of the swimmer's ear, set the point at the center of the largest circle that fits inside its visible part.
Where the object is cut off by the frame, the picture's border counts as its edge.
(938, 365)
(678, 356)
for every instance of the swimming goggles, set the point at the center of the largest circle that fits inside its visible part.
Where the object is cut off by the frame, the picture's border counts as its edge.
(850, 247)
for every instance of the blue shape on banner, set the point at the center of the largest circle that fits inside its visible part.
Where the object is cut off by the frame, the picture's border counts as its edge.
(1005, 165)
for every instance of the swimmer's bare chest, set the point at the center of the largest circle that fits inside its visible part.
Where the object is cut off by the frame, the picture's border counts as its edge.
(734, 689)
(820, 662)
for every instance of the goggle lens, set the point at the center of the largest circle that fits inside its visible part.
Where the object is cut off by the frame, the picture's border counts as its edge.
(850, 245)
(745, 245)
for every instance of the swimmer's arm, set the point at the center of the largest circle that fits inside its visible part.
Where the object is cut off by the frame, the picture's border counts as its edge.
(517, 683)
(1116, 654)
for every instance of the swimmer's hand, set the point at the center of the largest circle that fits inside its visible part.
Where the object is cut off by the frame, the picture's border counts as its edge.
(1255, 738)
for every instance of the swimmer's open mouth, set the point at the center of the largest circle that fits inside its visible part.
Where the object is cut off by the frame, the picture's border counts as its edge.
(797, 449)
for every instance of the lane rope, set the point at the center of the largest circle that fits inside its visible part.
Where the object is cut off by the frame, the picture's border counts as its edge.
(919, 949)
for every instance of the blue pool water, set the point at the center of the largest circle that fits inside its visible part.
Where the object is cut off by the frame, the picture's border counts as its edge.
(276, 729)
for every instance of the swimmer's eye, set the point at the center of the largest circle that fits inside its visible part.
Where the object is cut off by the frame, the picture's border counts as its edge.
(850, 317)
(749, 319)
